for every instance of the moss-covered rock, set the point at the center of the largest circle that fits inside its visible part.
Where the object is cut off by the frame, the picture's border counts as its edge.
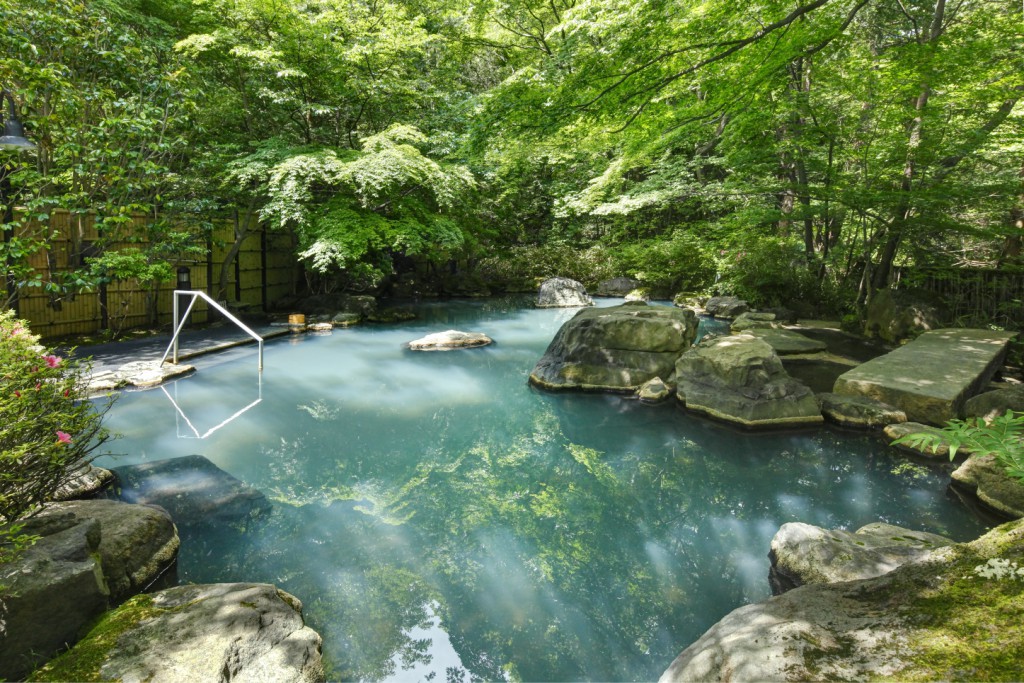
(953, 615)
(616, 348)
(236, 632)
(741, 380)
(986, 479)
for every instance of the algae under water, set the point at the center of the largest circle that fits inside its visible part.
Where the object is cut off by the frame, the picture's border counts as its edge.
(442, 520)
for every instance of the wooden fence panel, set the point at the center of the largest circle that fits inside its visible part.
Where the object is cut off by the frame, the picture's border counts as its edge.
(261, 275)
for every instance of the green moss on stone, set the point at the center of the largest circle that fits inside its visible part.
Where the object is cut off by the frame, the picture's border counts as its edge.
(83, 661)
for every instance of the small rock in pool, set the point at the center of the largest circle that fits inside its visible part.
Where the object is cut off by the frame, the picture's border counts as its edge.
(449, 340)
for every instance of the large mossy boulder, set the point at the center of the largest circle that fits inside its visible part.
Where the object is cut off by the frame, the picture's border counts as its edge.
(728, 307)
(803, 553)
(561, 292)
(740, 379)
(89, 554)
(220, 632)
(616, 349)
(952, 615)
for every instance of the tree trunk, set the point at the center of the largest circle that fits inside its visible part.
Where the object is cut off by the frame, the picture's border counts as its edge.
(241, 231)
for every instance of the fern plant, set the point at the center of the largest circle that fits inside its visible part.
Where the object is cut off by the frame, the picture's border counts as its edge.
(1002, 438)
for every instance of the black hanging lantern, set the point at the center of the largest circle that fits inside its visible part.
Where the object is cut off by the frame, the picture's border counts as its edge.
(14, 133)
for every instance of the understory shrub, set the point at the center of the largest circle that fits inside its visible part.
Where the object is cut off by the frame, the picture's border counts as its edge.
(48, 430)
(666, 266)
(522, 268)
(774, 272)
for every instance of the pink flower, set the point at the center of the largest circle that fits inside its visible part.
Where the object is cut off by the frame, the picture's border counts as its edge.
(17, 393)
(39, 385)
(52, 361)
(63, 437)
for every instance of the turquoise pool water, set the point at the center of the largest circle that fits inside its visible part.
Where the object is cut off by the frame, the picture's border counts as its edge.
(442, 520)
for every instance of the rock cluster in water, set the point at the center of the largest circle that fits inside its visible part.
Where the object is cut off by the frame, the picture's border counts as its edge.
(561, 292)
(450, 339)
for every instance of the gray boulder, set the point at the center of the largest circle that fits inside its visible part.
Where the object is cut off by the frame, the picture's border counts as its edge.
(617, 286)
(986, 479)
(654, 391)
(138, 543)
(561, 292)
(995, 403)
(221, 632)
(753, 320)
(638, 295)
(895, 315)
(859, 411)
(49, 592)
(726, 307)
(616, 348)
(741, 380)
(924, 620)
(192, 489)
(450, 339)
(787, 342)
(802, 553)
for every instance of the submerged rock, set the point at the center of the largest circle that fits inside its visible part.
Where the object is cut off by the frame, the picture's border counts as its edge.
(951, 615)
(725, 306)
(985, 478)
(561, 292)
(802, 553)
(859, 411)
(449, 340)
(740, 379)
(192, 489)
(616, 348)
(220, 632)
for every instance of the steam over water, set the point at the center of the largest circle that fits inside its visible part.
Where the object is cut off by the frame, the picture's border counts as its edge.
(442, 520)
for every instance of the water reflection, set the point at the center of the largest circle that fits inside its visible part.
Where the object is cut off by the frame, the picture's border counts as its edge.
(182, 417)
(442, 520)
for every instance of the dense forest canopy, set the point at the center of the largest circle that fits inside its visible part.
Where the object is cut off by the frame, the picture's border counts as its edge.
(804, 150)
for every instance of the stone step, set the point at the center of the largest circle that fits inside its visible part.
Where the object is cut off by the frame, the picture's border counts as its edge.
(931, 377)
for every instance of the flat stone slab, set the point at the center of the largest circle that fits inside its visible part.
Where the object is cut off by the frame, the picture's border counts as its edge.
(142, 374)
(450, 340)
(787, 342)
(859, 411)
(931, 377)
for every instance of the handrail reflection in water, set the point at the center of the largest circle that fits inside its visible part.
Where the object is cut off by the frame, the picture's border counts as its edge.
(181, 413)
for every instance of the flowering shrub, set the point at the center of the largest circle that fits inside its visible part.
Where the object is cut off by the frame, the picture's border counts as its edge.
(47, 428)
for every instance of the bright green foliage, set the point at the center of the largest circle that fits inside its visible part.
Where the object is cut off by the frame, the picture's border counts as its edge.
(47, 428)
(354, 210)
(1002, 438)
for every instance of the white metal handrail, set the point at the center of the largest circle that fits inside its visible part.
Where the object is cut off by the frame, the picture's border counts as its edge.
(179, 325)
